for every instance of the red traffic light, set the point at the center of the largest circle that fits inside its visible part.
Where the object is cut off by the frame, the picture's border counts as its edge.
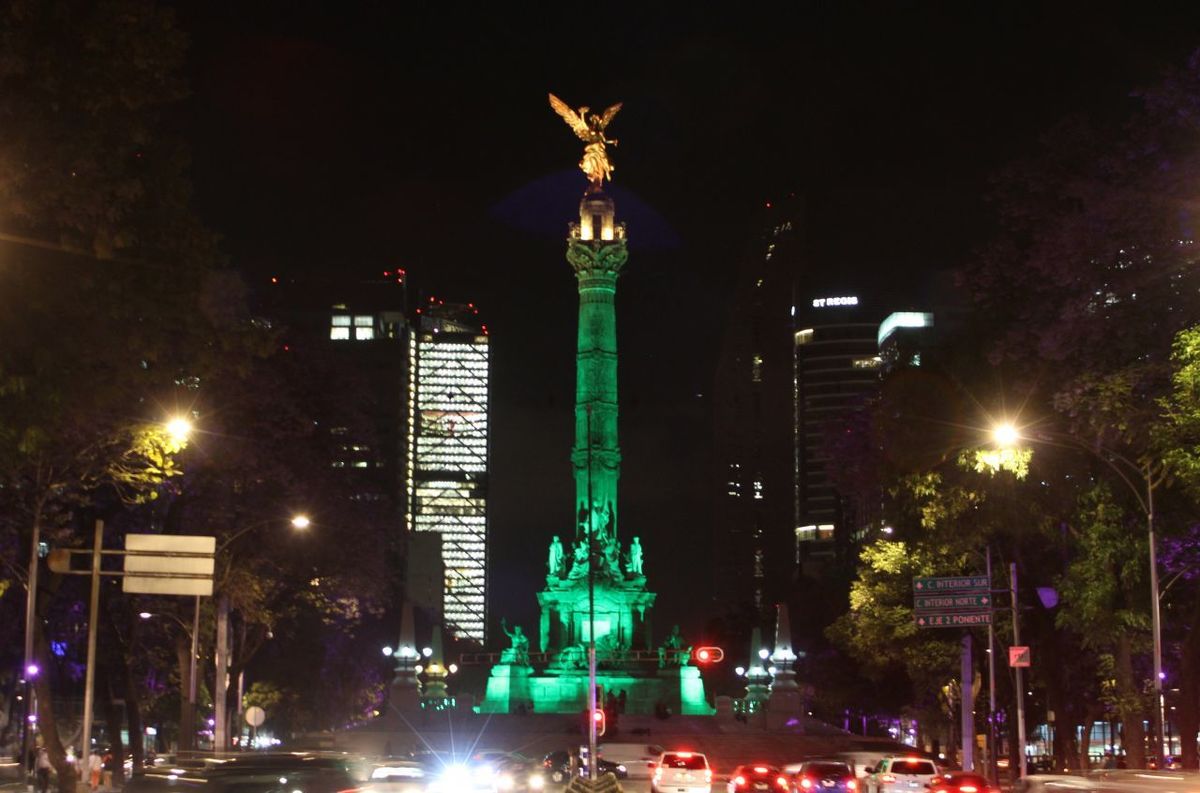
(708, 655)
(598, 716)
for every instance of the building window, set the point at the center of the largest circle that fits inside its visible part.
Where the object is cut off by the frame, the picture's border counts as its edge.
(804, 336)
(873, 362)
(756, 369)
(364, 327)
(339, 327)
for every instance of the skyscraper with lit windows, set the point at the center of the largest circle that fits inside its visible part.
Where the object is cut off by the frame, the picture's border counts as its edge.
(447, 473)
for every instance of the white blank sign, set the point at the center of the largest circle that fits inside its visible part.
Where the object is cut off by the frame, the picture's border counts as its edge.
(163, 581)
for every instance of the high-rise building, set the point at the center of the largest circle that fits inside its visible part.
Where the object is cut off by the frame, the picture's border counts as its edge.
(752, 541)
(447, 463)
(836, 369)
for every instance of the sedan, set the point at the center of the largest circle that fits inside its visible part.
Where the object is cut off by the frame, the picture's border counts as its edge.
(757, 777)
(824, 776)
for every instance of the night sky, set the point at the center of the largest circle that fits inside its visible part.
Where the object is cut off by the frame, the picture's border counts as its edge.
(353, 137)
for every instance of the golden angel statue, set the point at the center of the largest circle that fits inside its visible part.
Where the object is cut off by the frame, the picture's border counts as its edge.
(590, 129)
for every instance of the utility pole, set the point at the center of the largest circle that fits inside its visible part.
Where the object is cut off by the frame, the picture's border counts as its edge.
(1016, 621)
(1160, 716)
(89, 677)
(967, 702)
(221, 716)
(991, 734)
(29, 670)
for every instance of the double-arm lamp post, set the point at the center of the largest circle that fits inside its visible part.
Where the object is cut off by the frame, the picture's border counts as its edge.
(1150, 476)
(299, 522)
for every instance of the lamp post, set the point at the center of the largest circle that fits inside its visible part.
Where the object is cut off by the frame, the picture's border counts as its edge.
(299, 522)
(187, 725)
(1151, 475)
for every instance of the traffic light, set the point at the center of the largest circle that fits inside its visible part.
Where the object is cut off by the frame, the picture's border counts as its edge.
(708, 655)
(601, 721)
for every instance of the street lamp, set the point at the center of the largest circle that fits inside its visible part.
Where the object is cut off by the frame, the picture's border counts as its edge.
(298, 522)
(179, 428)
(1151, 476)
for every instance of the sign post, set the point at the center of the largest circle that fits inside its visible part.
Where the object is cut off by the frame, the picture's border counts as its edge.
(957, 602)
(158, 564)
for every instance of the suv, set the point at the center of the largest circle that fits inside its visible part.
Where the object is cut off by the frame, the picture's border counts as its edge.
(897, 774)
(682, 772)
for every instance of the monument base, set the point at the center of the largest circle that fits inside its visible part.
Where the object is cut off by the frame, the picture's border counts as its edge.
(508, 689)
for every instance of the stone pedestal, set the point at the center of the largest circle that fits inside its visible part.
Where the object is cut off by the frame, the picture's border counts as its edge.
(508, 689)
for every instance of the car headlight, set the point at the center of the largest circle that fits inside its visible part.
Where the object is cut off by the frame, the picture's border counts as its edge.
(621, 769)
(505, 782)
(536, 782)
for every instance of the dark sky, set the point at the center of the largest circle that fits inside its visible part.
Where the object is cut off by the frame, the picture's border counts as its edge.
(342, 137)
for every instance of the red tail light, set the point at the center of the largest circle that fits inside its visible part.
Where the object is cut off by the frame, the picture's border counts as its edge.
(781, 781)
(851, 784)
(708, 776)
(739, 780)
(969, 789)
(806, 783)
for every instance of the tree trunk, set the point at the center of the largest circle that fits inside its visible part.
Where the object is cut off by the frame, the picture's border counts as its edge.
(47, 723)
(133, 717)
(1131, 710)
(1188, 714)
(1091, 712)
(187, 723)
(112, 720)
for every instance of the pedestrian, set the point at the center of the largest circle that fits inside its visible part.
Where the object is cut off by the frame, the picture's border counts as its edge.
(110, 765)
(95, 765)
(43, 769)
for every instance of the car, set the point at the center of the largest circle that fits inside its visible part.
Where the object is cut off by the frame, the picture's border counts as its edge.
(827, 776)
(518, 774)
(758, 777)
(557, 767)
(639, 759)
(860, 761)
(682, 772)
(250, 773)
(961, 782)
(396, 776)
(900, 774)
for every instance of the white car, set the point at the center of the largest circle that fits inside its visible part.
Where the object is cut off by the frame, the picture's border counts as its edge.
(682, 772)
(901, 775)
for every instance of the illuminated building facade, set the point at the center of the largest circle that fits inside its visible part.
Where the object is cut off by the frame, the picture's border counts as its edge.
(447, 474)
(837, 368)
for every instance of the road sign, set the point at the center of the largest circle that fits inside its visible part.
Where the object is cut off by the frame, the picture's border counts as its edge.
(950, 602)
(174, 564)
(1018, 656)
(255, 716)
(953, 619)
(960, 584)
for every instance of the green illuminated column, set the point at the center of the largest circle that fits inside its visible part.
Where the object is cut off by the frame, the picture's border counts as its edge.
(596, 251)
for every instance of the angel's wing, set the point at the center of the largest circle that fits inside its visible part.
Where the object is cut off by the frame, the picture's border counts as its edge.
(608, 115)
(571, 117)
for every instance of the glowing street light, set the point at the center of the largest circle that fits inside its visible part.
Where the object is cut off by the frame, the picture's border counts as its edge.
(1005, 435)
(179, 428)
(301, 522)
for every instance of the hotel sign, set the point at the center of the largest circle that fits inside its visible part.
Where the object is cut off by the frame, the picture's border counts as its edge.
(830, 302)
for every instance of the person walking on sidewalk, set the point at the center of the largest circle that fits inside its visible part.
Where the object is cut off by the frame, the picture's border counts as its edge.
(94, 766)
(42, 765)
